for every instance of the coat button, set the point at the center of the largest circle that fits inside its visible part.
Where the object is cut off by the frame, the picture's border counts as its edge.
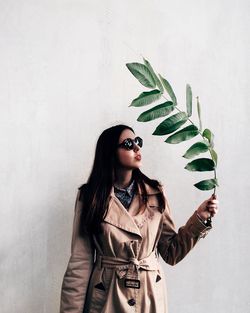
(131, 302)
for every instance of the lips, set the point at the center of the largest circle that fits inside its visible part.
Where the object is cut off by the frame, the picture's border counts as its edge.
(138, 157)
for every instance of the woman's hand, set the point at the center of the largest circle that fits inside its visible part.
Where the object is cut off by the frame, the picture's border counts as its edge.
(208, 208)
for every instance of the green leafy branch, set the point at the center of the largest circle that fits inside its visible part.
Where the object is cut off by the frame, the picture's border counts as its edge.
(161, 88)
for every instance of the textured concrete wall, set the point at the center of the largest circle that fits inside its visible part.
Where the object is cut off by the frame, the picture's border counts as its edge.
(63, 80)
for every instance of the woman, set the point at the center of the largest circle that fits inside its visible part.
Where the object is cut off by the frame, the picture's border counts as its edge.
(122, 224)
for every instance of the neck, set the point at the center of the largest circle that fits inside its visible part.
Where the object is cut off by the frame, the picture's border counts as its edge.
(122, 177)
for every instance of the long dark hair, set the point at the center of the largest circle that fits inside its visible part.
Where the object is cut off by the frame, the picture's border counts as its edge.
(95, 193)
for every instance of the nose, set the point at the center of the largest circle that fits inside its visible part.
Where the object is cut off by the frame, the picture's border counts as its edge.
(136, 147)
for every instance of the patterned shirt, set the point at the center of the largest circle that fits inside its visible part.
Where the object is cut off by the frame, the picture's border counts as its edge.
(125, 195)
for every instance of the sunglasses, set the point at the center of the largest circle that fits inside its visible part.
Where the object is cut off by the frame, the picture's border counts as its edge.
(129, 143)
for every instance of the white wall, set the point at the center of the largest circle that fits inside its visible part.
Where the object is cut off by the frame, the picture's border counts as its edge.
(63, 80)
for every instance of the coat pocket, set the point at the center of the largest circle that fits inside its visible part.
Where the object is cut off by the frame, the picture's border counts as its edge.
(103, 279)
(101, 283)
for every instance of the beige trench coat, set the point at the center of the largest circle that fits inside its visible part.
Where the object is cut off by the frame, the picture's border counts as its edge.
(118, 270)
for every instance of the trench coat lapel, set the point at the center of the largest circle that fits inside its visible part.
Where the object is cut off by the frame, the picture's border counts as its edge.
(118, 216)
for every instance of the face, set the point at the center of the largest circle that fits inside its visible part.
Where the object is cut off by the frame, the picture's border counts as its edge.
(129, 159)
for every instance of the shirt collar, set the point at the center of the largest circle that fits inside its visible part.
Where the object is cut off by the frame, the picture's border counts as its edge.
(128, 189)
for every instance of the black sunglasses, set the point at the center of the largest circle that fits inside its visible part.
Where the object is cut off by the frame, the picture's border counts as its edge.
(129, 143)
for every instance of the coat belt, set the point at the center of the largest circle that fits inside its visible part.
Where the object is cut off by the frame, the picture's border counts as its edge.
(128, 267)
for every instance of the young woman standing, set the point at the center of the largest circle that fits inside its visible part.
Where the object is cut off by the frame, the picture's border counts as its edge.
(122, 224)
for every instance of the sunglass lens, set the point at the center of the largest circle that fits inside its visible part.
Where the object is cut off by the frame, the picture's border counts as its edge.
(138, 141)
(128, 144)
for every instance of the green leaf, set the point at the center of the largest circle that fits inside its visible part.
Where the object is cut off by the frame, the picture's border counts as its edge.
(142, 73)
(189, 99)
(206, 184)
(183, 134)
(209, 135)
(201, 165)
(171, 124)
(195, 149)
(214, 155)
(156, 112)
(158, 82)
(169, 89)
(199, 113)
(146, 98)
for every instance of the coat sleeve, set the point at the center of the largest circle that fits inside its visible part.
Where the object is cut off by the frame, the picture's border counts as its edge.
(80, 265)
(174, 245)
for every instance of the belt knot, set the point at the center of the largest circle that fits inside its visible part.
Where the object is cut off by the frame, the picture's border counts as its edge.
(130, 267)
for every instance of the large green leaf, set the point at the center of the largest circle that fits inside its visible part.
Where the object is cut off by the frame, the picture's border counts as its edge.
(189, 99)
(209, 135)
(156, 112)
(214, 155)
(142, 73)
(199, 113)
(146, 98)
(195, 149)
(201, 165)
(206, 184)
(183, 134)
(169, 89)
(158, 82)
(171, 124)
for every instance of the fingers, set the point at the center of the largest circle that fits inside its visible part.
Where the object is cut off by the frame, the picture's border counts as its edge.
(209, 207)
(212, 205)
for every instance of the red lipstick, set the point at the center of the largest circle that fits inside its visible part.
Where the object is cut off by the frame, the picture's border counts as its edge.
(138, 157)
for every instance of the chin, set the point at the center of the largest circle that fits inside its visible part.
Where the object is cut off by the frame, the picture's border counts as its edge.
(133, 166)
(138, 165)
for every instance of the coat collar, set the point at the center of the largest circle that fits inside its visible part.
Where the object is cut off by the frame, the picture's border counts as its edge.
(117, 214)
(129, 189)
